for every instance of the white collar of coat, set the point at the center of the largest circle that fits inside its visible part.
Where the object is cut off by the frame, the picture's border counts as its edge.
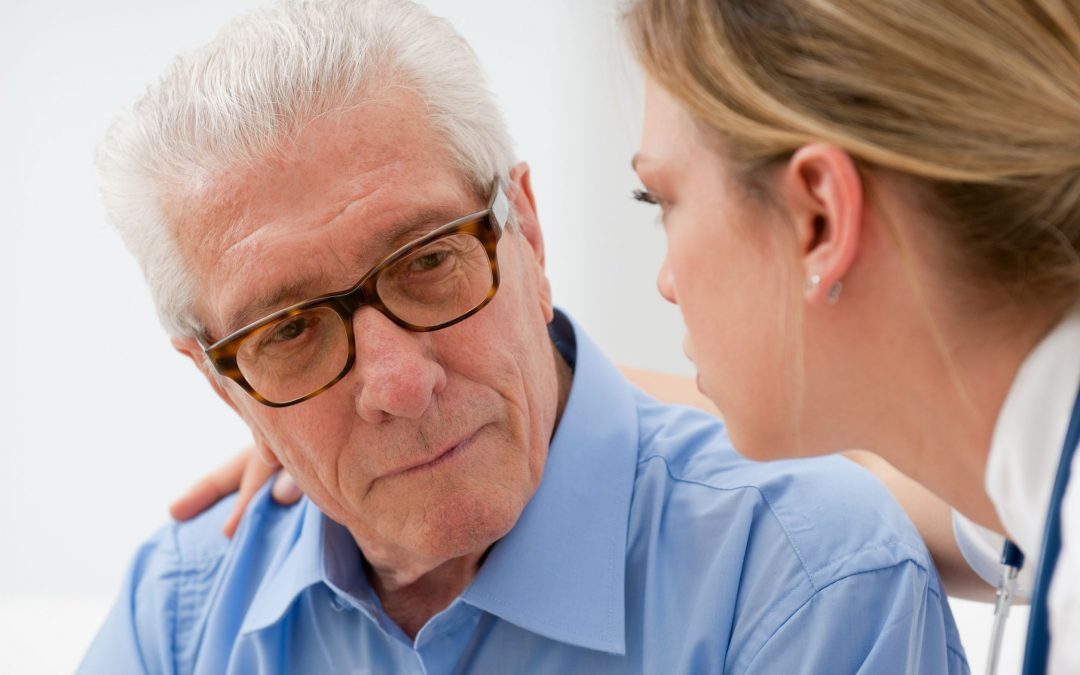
(1029, 434)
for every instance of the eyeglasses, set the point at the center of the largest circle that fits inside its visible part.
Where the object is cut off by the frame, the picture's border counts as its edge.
(434, 282)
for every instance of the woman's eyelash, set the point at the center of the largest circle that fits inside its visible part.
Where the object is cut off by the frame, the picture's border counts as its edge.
(645, 197)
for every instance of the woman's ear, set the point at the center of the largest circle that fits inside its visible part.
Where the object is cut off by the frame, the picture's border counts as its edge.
(823, 191)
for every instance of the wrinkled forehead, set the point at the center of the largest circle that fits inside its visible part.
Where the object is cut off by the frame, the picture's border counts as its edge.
(307, 217)
(364, 147)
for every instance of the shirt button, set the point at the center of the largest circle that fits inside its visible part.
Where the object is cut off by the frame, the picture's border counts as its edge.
(337, 604)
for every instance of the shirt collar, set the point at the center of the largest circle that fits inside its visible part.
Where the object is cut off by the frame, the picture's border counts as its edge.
(560, 571)
(316, 550)
(297, 563)
(1030, 431)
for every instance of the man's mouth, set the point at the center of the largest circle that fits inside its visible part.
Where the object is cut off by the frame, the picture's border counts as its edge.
(446, 454)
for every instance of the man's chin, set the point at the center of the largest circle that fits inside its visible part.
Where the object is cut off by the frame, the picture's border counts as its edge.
(463, 525)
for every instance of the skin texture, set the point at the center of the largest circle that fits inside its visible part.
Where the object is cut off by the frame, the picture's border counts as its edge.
(312, 220)
(911, 363)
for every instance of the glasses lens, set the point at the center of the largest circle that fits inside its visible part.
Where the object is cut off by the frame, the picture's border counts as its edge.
(292, 357)
(439, 282)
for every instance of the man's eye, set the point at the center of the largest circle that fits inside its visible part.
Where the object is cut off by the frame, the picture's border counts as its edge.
(290, 330)
(428, 261)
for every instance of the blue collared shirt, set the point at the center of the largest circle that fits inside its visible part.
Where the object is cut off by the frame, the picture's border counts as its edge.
(649, 547)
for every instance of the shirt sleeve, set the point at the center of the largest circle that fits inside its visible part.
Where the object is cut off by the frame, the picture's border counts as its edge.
(881, 622)
(137, 634)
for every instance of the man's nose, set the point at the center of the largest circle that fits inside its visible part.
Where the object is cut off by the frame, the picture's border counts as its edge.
(398, 377)
(665, 284)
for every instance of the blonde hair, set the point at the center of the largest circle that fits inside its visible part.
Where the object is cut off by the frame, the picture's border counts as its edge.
(977, 101)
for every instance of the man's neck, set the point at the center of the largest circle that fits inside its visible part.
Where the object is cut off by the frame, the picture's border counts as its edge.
(411, 605)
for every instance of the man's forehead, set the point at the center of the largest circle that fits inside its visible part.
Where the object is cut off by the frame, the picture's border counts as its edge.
(345, 190)
(344, 155)
(261, 262)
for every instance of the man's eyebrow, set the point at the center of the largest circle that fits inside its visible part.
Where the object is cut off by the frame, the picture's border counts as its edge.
(415, 226)
(291, 293)
(382, 244)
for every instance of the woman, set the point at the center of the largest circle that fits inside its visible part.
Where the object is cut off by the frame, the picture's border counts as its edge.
(873, 220)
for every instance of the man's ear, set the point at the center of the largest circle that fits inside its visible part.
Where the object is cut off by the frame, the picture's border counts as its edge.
(520, 193)
(190, 348)
(823, 191)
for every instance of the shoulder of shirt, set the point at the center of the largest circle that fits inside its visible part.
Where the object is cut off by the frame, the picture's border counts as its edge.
(179, 573)
(201, 540)
(837, 518)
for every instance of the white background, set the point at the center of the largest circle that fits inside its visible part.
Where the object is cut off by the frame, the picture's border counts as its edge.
(102, 424)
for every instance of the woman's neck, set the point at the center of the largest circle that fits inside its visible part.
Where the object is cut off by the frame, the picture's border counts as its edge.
(947, 406)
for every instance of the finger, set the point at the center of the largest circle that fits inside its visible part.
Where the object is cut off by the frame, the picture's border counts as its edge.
(285, 491)
(220, 482)
(256, 473)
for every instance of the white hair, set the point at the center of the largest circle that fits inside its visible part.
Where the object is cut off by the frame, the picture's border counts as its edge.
(265, 76)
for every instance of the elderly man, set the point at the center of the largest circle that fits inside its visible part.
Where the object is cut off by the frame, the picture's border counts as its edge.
(326, 208)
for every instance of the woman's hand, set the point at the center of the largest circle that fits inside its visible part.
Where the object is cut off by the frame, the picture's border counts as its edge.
(246, 473)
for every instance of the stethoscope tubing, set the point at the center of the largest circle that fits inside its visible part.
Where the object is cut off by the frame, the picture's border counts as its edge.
(1012, 561)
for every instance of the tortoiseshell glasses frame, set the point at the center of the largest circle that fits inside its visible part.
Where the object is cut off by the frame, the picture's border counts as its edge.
(486, 226)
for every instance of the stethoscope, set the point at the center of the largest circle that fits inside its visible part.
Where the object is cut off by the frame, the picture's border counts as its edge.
(1037, 649)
